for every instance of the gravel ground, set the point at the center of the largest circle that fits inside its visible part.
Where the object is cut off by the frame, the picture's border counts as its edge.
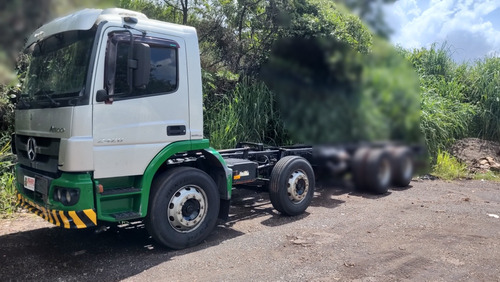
(432, 231)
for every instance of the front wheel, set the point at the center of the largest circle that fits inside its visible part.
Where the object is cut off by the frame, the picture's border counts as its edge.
(183, 208)
(291, 186)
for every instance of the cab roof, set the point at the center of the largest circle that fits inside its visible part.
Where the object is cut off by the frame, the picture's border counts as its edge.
(86, 19)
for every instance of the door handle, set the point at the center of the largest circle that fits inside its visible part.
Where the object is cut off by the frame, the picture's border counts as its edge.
(173, 130)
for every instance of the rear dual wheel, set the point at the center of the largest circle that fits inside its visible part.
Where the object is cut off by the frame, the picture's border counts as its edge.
(376, 169)
(372, 170)
(402, 166)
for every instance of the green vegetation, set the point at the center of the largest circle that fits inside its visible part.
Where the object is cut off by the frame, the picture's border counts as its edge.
(247, 113)
(7, 181)
(458, 100)
(7, 159)
(236, 41)
(489, 175)
(329, 93)
(448, 168)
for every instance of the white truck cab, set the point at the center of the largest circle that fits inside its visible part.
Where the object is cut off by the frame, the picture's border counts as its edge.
(119, 136)
(110, 97)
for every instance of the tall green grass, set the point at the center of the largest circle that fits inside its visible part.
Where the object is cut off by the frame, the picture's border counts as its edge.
(448, 111)
(7, 182)
(443, 118)
(246, 114)
(484, 92)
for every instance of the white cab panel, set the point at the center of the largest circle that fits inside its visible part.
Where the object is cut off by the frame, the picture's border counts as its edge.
(38, 122)
(129, 133)
(74, 156)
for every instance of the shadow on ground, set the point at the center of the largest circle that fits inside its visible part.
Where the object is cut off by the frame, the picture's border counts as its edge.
(51, 254)
(82, 255)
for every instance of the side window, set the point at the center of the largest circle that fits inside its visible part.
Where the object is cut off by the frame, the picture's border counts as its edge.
(163, 76)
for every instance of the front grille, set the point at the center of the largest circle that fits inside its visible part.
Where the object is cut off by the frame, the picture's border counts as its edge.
(46, 153)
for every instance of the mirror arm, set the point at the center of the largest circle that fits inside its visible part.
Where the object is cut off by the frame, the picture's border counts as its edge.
(130, 58)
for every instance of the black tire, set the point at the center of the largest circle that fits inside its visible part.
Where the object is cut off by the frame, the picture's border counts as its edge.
(402, 166)
(183, 207)
(291, 186)
(372, 170)
(359, 166)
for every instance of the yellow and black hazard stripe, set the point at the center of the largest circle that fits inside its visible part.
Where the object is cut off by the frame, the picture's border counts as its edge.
(67, 219)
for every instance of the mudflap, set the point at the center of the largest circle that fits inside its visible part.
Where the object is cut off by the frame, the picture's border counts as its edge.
(224, 209)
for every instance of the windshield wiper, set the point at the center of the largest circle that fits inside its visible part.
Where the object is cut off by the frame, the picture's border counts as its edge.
(45, 93)
(22, 104)
(53, 102)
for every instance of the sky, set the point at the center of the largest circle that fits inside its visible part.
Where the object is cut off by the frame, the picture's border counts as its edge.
(470, 28)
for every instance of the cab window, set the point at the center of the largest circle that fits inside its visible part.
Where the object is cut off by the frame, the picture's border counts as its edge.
(163, 75)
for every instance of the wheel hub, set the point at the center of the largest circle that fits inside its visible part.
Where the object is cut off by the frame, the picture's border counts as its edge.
(191, 209)
(187, 208)
(297, 186)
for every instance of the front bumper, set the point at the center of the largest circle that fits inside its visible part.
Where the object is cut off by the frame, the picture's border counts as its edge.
(67, 219)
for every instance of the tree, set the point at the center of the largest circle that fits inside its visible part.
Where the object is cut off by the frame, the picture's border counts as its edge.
(371, 12)
(323, 83)
(17, 20)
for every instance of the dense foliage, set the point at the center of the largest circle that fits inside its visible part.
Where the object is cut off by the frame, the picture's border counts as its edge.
(330, 93)
(458, 100)
(237, 39)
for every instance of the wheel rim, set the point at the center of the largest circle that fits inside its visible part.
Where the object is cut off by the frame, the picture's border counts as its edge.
(298, 186)
(384, 173)
(187, 208)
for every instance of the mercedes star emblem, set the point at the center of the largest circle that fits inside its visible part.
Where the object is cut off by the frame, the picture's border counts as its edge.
(31, 148)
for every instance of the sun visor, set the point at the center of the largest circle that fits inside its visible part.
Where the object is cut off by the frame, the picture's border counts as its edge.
(82, 20)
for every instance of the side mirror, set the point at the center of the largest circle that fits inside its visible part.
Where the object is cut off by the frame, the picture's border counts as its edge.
(101, 95)
(139, 66)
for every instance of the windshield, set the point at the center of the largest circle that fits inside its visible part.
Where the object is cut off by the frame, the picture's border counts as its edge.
(58, 70)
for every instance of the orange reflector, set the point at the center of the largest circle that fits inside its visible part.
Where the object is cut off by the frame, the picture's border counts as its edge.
(100, 188)
(236, 177)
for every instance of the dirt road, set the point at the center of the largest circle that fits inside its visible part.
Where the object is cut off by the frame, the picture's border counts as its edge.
(433, 231)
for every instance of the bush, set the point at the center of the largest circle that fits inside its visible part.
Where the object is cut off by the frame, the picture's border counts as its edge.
(448, 168)
(329, 93)
(7, 181)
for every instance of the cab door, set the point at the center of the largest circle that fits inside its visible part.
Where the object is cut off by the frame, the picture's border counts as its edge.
(134, 124)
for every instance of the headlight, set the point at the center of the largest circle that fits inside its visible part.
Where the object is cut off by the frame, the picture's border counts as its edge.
(67, 196)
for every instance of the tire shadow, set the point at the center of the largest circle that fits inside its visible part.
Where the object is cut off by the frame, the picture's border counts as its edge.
(54, 254)
(329, 188)
(400, 189)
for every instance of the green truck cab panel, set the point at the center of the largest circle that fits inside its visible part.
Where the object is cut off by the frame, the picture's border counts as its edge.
(222, 175)
(47, 198)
